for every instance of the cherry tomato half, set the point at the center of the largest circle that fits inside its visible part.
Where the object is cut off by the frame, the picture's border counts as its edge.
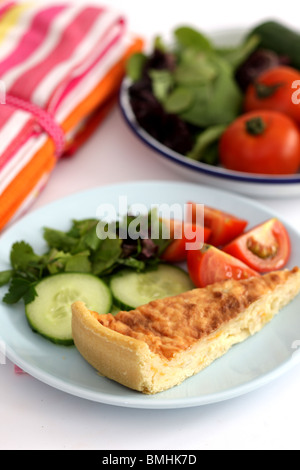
(265, 248)
(273, 91)
(183, 234)
(261, 142)
(210, 265)
(224, 227)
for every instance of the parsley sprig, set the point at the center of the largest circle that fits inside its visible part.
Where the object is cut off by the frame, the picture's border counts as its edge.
(78, 250)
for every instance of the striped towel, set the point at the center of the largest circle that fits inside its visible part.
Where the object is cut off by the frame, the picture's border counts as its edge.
(61, 66)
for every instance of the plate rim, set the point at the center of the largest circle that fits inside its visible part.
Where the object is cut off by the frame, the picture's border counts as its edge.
(139, 401)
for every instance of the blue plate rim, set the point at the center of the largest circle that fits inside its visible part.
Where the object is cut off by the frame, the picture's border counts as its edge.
(175, 157)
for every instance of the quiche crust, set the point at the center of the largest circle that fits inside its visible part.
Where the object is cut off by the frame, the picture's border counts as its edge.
(159, 345)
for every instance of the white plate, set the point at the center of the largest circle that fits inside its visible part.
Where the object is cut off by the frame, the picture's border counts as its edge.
(198, 172)
(246, 367)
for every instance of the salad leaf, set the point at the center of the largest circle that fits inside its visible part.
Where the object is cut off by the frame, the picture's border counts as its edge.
(56, 261)
(195, 68)
(5, 277)
(162, 82)
(160, 45)
(59, 240)
(79, 263)
(179, 100)
(78, 250)
(23, 258)
(205, 148)
(189, 37)
(236, 56)
(218, 102)
(133, 263)
(82, 227)
(91, 240)
(134, 66)
(20, 289)
(188, 88)
(107, 255)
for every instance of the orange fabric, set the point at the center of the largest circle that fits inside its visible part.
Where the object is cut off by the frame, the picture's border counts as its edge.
(95, 106)
(26, 180)
(91, 125)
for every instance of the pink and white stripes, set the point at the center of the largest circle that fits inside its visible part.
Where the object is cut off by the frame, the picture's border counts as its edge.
(51, 57)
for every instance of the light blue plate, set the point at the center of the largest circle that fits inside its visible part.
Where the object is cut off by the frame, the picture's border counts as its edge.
(246, 367)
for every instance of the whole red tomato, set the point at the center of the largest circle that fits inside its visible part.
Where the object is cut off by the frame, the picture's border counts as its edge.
(261, 142)
(274, 90)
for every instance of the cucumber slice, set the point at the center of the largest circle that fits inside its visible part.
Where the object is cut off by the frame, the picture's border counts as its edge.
(131, 290)
(50, 313)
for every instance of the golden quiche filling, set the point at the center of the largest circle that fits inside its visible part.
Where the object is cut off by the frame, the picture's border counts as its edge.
(177, 323)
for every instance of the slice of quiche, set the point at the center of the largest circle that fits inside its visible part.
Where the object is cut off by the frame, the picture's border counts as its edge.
(159, 345)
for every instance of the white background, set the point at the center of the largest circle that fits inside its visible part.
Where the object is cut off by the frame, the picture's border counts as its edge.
(35, 416)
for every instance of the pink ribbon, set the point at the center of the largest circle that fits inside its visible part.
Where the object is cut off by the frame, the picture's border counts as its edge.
(45, 120)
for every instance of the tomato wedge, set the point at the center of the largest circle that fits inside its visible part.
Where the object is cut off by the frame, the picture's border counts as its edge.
(183, 234)
(265, 248)
(210, 264)
(224, 227)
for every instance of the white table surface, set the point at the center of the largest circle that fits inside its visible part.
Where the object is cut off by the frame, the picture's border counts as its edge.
(36, 416)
